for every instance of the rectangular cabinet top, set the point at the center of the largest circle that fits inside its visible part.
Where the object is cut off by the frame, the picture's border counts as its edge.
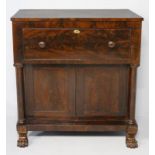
(92, 15)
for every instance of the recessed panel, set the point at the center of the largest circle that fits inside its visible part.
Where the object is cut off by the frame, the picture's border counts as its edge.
(51, 90)
(102, 90)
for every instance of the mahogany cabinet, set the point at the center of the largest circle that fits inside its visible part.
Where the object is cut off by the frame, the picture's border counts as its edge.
(76, 71)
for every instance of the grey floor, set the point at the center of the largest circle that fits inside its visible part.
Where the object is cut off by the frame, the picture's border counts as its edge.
(50, 143)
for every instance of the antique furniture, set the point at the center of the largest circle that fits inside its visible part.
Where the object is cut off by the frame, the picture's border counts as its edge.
(76, 71)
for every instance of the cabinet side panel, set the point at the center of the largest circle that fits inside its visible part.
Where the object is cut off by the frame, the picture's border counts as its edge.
(136, 45)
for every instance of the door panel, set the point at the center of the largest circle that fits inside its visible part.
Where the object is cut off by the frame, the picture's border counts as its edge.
(50, 90)
(102, 90)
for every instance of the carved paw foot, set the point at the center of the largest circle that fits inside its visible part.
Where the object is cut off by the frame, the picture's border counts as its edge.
(132, 128)
(131, 143)
(22, 142)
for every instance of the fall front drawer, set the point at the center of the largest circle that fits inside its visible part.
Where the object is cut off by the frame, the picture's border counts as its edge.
(64, 43)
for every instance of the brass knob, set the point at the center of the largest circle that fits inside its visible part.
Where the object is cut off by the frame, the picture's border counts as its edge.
(111, 44)
(42, 44)
(76, 31)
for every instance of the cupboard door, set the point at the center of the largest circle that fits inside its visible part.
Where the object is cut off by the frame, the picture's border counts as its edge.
(50, 90)
(102, 90)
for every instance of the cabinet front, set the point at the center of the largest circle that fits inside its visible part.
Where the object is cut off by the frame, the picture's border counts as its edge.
(61, 91)
(49, 90)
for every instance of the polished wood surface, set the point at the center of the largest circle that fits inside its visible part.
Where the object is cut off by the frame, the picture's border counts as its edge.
(87, 44)
(76, 71)
(108, 15)
(132, 32)
(104, 90)
(50, 91)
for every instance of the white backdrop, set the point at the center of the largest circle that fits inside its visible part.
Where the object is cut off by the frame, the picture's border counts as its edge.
(138, 6)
